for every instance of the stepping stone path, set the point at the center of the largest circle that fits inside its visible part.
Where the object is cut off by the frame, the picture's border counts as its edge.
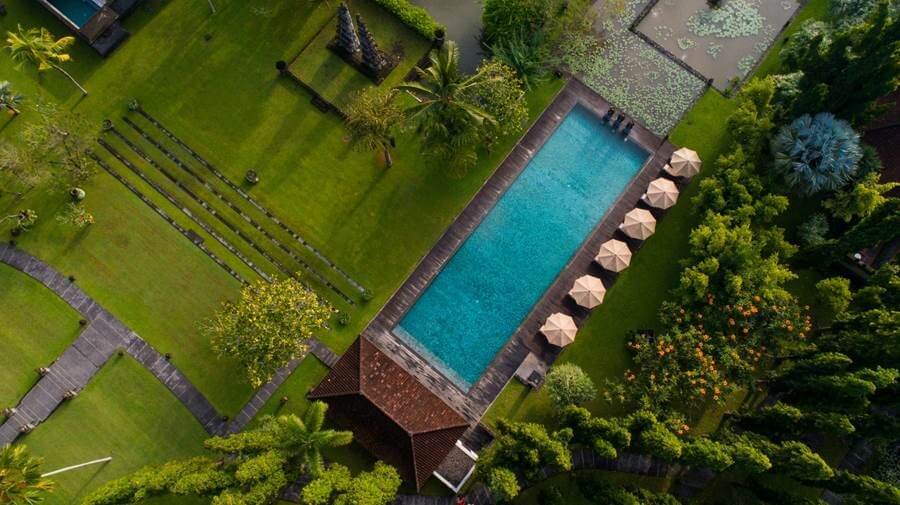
(103, 335)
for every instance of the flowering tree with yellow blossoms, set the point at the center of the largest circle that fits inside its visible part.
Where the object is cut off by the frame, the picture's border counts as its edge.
(268, 327)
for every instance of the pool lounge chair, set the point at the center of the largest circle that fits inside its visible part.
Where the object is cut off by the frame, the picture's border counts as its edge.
(609, 114)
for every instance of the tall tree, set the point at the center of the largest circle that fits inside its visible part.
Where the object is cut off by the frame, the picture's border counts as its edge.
(372, 118)
(268, 327)
(54, 148)
(846, 72)
(21, 482)
(376, 487)
(40, 48)
(300, 440)
(252, 468)
(449, 123)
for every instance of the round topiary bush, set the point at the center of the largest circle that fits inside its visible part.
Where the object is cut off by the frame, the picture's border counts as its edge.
(568, 384)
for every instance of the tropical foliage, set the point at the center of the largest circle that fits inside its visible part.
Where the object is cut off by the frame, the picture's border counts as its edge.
(252, 468)
(524, 53)
(506, 19)
(816, 153)
(372, 118)
(845, 71)
(21, 482)
(300, 440)
(503, 100)
(336, 486)
(52, 148)
(860, 199)
(523, 449)
(38, 47)
(269, 326)
(451, 126)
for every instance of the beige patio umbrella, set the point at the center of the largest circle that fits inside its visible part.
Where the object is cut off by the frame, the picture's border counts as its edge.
(639, 224)
(614, 255)
(684, 163)
(559, 329)
(588, 291)
(661, 193)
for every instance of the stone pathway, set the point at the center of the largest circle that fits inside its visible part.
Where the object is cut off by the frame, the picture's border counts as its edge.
(260, 398)
(103, 335)
(323, 352)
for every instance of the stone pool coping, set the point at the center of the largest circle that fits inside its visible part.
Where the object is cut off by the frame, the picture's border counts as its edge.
(472, 404)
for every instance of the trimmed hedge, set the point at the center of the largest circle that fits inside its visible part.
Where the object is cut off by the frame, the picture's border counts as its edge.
(413, 16)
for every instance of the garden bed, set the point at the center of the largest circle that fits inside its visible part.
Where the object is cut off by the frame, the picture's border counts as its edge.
(335, 80)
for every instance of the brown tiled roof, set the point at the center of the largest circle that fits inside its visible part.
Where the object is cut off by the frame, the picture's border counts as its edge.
(390, 412)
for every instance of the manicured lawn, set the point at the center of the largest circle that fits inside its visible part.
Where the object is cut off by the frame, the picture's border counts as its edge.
(124, 412)
(36, 327)
(149, 276)
(337, 81)
(211, 79)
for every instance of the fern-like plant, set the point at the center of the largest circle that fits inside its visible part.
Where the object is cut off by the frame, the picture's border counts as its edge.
(816, 153)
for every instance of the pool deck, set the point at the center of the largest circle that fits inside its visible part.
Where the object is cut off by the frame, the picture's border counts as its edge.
(474, 403)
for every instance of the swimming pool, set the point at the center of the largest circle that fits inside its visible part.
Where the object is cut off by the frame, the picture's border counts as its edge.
(78, 11)
(485, 291)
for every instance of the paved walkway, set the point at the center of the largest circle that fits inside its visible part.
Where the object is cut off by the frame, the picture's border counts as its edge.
(103, 335)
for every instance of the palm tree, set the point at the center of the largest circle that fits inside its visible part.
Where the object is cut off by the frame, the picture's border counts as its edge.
(306, 438)
(9, 99)
(371, 119)
(38, 47)
(440, 90)
(301, 440)
(20, 477)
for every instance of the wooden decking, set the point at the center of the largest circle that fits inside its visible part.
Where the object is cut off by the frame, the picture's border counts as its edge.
(473, 403)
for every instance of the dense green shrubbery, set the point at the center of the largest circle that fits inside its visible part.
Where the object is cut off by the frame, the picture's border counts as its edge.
(413, 16)
(568, 384)
(504, 19)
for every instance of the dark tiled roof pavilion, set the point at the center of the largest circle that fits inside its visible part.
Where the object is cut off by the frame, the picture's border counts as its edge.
(389, 411)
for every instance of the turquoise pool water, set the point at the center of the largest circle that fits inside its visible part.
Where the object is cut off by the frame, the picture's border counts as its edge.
(78, 11)
(490, 285)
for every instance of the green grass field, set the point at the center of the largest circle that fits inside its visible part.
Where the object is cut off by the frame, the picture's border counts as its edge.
(124, 412)
(211, 79)
(37, 326)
